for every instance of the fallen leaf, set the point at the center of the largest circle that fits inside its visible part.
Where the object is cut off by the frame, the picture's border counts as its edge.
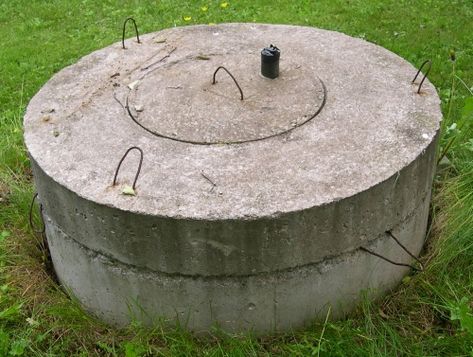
(128, 191)
(133, 85)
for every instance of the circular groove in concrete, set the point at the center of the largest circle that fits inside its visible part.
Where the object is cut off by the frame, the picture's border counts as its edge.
(207, 114)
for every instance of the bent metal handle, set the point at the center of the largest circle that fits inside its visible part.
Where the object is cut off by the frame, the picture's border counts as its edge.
(124, 28)
(231, 75)
(121, 161)
(429, 62)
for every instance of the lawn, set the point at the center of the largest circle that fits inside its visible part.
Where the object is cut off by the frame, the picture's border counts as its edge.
(429, 314)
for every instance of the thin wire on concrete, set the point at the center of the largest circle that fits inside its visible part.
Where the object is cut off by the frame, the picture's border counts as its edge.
(35, 196)
(390, 234)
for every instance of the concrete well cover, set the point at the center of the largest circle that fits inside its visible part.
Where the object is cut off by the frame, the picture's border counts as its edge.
(249, 214)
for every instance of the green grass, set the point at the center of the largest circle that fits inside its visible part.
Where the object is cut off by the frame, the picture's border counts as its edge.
(430, 314)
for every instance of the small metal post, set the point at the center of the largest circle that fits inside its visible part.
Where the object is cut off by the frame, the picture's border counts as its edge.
(270, 62)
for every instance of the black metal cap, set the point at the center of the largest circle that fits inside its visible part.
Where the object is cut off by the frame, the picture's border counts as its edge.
(270, 61)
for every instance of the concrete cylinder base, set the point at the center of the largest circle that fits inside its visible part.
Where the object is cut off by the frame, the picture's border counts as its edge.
(248, 214)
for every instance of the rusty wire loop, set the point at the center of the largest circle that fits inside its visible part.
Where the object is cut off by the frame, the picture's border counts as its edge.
(425, 75)
(231, 75)
(35, 196)
(390, 234)
(124, 28)
(121, 161)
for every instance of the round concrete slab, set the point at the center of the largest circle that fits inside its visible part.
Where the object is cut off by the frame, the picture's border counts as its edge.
(372, 125)
(312, 165)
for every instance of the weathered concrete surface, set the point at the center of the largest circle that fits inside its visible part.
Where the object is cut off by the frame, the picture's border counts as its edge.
(264, 303)
(282, 207)
(189, 107)
(372, 126)
(239, 246)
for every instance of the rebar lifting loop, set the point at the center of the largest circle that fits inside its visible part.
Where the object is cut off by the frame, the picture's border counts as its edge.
(121, 161)
(231, 75)
(124, 28)
(425, 75)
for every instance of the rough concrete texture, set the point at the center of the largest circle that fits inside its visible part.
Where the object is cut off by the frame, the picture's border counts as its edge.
(301, 192)
(239, 246)
(263, 303)
(195, 110)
